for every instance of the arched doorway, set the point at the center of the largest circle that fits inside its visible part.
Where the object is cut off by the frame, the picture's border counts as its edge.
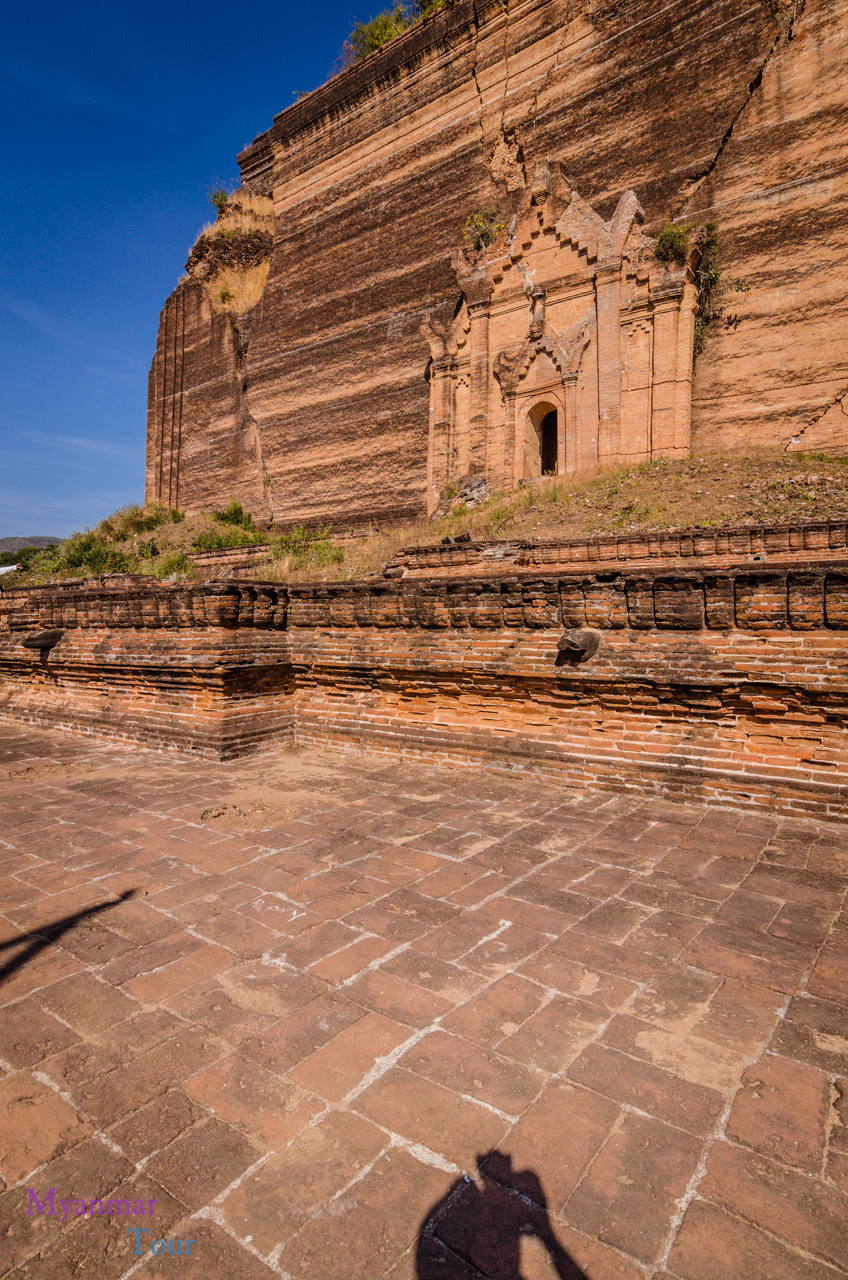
(541, 447)
(548, 443)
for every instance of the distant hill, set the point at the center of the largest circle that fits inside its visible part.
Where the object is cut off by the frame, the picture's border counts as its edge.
(15, 544)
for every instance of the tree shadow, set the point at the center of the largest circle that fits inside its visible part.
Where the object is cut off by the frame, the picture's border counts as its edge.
(48, 934)
(474, 1232)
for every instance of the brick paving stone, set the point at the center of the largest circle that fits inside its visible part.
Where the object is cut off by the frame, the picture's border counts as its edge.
(803, 1211)
(345, 964)
(141, 1032)
(472, 1070)
(90, 1168)
(437, 975)
(643, 951)
(28, 1035)
(553, 970)
(781, 1110)
(570, 1122)
(151, 956)
(213, 1253)
(35, 1125)
(42, 969)
(506, 907)
(259, 1103)
(205, 962)
(146, 1076)
(384, 993)
(367, 1228)
(210, 1006)
(647, 1088)
(201, 1163)
(106, 1236)
(451, 941)
(551, 1038)
(275, 1201)
(816, 1032)
(497, 1012)
(80, 1065)
(156, 1125)
(89, 1005)
(601, 956)
(283, 917)
(342, 1064)
(264, 988)
(298, 1036)
(676, 998)
(629, 1195)
(691, 1057)
(830, 972)
(712, 1245)
(316, 943)
(432, 1115)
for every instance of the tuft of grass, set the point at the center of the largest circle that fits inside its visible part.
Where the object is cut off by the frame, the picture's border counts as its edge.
(241, 214)
(237, 291)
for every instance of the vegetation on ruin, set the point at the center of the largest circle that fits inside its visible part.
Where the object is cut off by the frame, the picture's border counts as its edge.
(672, 243)
(483, 228)
(368, 37)
(239, 214)
(303, 548)
(711, 287)
(711, 490)
(232, 255)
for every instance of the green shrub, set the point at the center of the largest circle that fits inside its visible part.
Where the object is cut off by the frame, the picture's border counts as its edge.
(219, 197)
(482, 228)
(307, 547)
(176, 562)
(26, 556)
(368, 37)
(235, 514)
(148, 550)
(133, 519)
(672, 243)
(88, 551)
(220, 540)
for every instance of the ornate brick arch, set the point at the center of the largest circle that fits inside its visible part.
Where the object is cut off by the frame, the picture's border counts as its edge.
(587, 303)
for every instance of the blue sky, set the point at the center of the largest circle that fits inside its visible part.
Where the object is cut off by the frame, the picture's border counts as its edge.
(116, 122)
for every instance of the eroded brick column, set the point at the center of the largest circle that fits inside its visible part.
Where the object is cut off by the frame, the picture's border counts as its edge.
(608, 303)
(664, 394)
(479, 347)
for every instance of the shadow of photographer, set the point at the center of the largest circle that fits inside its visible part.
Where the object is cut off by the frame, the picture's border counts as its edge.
(476, 1229)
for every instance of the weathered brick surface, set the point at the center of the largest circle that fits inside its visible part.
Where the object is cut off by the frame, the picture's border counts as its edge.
(746, 701)
(738, 118)
(377, 1113)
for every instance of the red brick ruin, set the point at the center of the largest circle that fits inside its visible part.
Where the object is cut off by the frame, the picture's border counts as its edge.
(386, 359)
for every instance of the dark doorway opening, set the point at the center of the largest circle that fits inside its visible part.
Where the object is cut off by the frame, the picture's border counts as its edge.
(548, 431)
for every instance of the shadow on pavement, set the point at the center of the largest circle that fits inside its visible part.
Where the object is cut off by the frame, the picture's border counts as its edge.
(475, 1230)
(48, 934)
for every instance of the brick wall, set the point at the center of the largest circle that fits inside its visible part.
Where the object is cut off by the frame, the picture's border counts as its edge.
(717, 684)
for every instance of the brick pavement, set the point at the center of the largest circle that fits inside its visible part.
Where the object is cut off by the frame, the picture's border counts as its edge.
(411, 1024)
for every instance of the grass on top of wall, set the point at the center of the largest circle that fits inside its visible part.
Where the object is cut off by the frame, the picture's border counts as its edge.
(711, 490)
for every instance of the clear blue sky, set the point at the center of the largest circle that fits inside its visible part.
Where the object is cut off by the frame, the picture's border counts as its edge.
(116, 121)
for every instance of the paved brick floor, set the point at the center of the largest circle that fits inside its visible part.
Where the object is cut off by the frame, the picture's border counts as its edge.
(423, 1024)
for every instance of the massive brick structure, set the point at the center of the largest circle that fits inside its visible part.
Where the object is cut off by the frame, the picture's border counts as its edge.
(377, 364)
